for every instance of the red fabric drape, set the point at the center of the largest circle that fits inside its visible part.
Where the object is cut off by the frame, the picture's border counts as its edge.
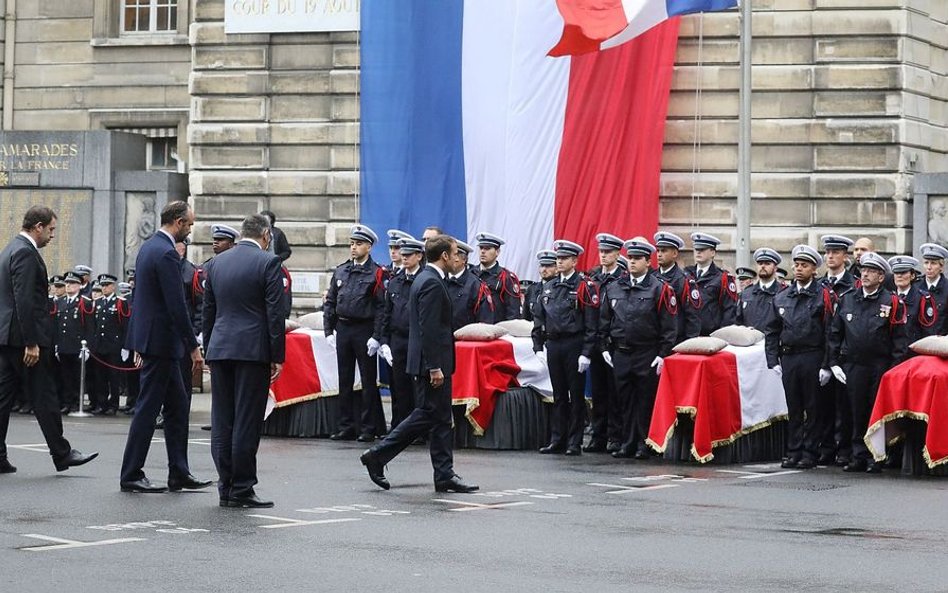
(299, 379)
(482, 370)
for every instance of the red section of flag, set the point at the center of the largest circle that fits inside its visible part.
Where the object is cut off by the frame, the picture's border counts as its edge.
(611, 158)
(299, 380)
(587, 24)
(482, 370)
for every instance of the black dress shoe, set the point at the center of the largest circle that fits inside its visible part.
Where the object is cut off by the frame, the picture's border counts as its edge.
(806, 463)
(420, 441)
(145, 486)
(129, 412)
(15, 408)
(856, 465)
(6, 467)
(206, 427)
(790, 463)
(72, 459)
(826, 459)
(64, 409)
(613, 446)
(642, 452)
(342, 436)
(551, 448)
(108, 412)
(225, 501)
(26, 410)
(595, 447)
(251, 501)
(874, 468)
(573, 451)
(366, 438)
(455, 485)
(623, 453)
(375, 469)
(188, 482)
(842, 461)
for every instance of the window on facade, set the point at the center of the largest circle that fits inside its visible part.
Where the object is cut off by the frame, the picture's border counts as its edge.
(162, 154)
(149, 16)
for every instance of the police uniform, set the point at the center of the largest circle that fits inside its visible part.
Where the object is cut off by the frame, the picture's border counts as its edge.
(796, 331)
(607, 421)
(192, 279)
(545, 259)
(921, 314)
(84, 272)
(394, 333)
(133, 377)
(564, 326)
(637, 330)
(937, 289)
(54, 302)
(471, 299)
(711, 294)
(866, 337)
(503, 284)
(108, 338)
(69, 335)
(394, 236)
(353, 311)
(756, 301)
(687, 320)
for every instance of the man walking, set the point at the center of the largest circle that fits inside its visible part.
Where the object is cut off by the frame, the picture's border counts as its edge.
(430, 362)
(26, 339)
(244, 332)
(160, 333)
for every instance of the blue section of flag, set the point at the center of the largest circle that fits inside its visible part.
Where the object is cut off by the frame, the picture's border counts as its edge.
(677, 7)
(412, 156)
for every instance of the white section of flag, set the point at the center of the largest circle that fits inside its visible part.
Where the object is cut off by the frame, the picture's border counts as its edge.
(761, 390)
(642, 15)
(533, 373)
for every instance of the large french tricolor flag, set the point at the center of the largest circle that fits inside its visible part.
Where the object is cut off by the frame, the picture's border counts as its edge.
(467, 123)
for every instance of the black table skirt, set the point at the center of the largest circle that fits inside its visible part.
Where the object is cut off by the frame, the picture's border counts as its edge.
(521, 421)
(765, 444)
(313, 418)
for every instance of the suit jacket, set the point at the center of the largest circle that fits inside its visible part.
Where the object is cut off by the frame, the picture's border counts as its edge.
(281, 247)
(24, 306)
(430, 335)
(243, 306)
(160, 325)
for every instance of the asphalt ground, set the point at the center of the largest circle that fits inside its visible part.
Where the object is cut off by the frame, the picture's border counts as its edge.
(539, 523)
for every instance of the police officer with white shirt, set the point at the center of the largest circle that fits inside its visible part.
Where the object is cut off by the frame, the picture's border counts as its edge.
(546, 262)
(668, 247)
(503, 283)
(756, 301)
(394, 249)
(711, 293)
(471, 299)
(934, 283)
(564, 335)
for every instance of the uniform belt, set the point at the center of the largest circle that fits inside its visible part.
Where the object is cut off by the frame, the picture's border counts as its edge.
(355, 320)
(798, 349)
(562, 335)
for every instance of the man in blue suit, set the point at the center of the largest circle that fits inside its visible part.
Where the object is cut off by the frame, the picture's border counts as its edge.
(160, 333)
(430, 362)
(244, 331)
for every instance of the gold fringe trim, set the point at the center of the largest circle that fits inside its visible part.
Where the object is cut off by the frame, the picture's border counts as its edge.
(470, 404)
(880, 425)
(692, 412)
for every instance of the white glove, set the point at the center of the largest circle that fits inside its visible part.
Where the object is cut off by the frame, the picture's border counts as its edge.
(541, 354)
(839, 374)
(778, 370)
(658, 364)
(825, 377)
(56, 352)
(386, 353)
(84, 355)
(583, 363)
(331, 340)
(200, 339)
(372, 346)
(124, 355)
(607, 357)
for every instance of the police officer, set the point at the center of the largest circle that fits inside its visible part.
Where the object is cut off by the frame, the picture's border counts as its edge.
(108, 338)
(754, 309)
(394, 332)
(796, 330)
(564, 336)
(668, 247)
(745, 278)
(921, 313)
(192, 278)
(835, 416)
(637, 330)
(352, 316)
(504, 284)
(394, 250)
(934, 256)
(69, 335)
(607, 421)
(866, 337)
(711, 292)
(471, 299)
(782, 276)
(546, 263)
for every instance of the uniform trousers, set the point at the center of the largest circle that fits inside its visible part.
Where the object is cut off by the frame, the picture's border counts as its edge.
(431, 417)
(862, 384)
(636, 383)
(238, 402)
(70, 373)
(568, 418)
(606, 414)
(36, 382)
(402, 387)
(834, 420)
(108, 381)
(801, 383)
(363, 415)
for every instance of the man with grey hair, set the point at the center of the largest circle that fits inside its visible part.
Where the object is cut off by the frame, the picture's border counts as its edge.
(244, 333)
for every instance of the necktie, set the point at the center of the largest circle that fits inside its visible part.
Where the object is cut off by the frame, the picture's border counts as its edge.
(832, 279)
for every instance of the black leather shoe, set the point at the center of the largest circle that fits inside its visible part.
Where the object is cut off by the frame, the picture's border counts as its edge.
(251, 501)
(206, 427)
(420, 441)
(342, 436)
(63, 409)
(225, 501)
(595, 447)
(6, 467)
(366, 438)
(26, 410)
(806, 463)
(842, 461)
(188, 482)
(874, 468)
(826, 459)
(623, 453)
(613, 446)
(72, 459)
(129, 412)
(573, 451)
(455, 485)
(856, 465)
(790, 463)
(642, 453)
(144, 486)
(551, 448)
(108, 412)
(375, 469)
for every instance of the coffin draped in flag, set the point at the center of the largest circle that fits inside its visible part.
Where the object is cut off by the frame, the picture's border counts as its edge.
(468, 124)
(594, 25)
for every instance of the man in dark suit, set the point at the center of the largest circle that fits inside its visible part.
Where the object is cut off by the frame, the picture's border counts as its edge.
(244, 332)
(160, 333)
(26, 339)
(278, 243)
(430, 362)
